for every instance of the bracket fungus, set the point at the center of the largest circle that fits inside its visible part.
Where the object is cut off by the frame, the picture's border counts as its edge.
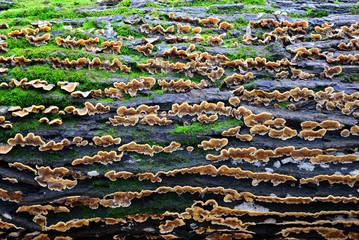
(183, 28)
(68, 86)
(4, 148)
(53, 178)
(311, 134)
(203, 118)
(226, 25)
(216, 40)
(330, 72)
(237, 78)
(10, 196)
(146, 28)
(214, 143)
(153, 119)
(141, 148)
(283, 134)
(132, 87)
(145, 49)
(101, 157)
(210, 22)
(106, 140)
(38, 41)
(55, 146)
(30, 139)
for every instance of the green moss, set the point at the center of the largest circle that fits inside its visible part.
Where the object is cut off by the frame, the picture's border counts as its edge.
(142, 134)
(155, 93)
(229, 10)
(21, 47)
(49, 157)
(266, 76)
(16, 22)
(294, 15)
(128, 51)
(43, 11)
(202, 127)
(354, 10)
(57, 3)
(99, 183)
(216, 10)
(86, 212)
(283, 104)
(125, 3)
(249, 85)
(159, 92)
(28, 97)
(137, 156)
(210, 2)
(319, 88)
(92, 23)
(196, 77)
(126, 30)
(40, 12)
(106, 131)
(180, 158)
(111, 131)
(243, 52)
(87, 79)
(353, 78)
(102, 169)
(16, 43)
(259, 10)
(57, 26)
(254, 2)
(201, 3)
(234, 10)
(143, 163)
(153, 204)
(106, 100)
(126, 97)
(156, 14)
(153, 5)
(189, 141)
(22, 152)
(316, 13)
(240, 22)
(130, 184)
(58, 156)
(75, 34)
(27, 125)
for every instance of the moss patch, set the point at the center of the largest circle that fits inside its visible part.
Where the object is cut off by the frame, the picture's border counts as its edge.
(202, 127)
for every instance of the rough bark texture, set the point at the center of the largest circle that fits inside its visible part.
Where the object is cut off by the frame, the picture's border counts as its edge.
(289, 170)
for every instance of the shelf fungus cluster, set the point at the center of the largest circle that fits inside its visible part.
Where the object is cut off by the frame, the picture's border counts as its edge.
(207, 122)
(90, 45)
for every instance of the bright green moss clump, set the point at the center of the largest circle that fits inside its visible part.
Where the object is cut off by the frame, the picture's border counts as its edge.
(20, 97)
(203, 127)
